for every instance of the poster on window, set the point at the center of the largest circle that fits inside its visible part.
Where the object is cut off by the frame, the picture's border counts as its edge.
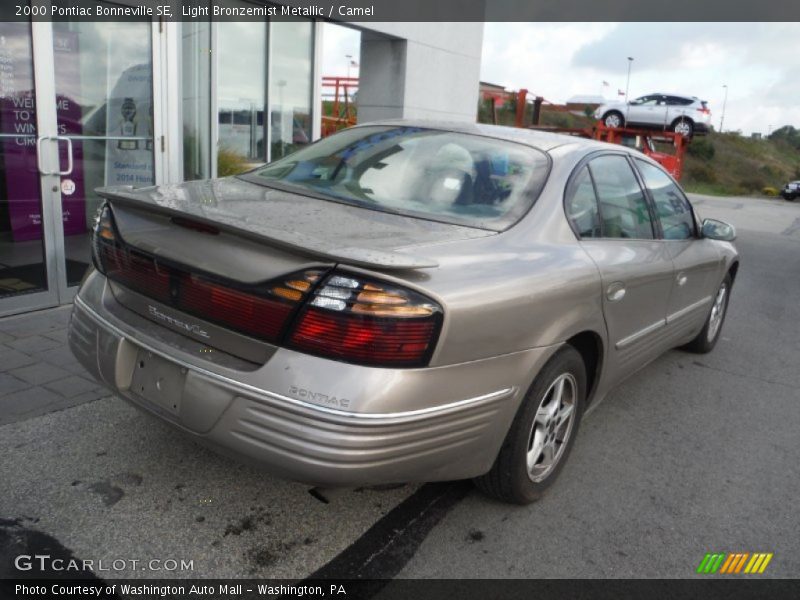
(129, 122)
(19, 129)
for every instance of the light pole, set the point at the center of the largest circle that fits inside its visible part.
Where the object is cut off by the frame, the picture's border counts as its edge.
(724, 102)
(349, 58)
(627, 87)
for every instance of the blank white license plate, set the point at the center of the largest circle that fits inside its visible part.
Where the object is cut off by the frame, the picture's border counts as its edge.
(158, 381)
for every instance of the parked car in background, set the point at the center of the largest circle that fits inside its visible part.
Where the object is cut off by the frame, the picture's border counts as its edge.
(686, 115)
(791, 190)
(401, 301)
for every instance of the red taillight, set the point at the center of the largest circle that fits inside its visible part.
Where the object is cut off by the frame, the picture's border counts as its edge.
(261, 310)
(254, 315)
(367, 322)
(704, 110)
(344, 317)
(136, 271)
(364, 340)
(195, 225)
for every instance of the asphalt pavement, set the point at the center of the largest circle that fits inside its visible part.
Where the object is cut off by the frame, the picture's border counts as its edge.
(693, 454)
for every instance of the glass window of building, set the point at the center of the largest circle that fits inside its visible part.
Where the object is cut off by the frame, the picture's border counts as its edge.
(196, 92)
(290, 85)
(241, 95)
(22, 259)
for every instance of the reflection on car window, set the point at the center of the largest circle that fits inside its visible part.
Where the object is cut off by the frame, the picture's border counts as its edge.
(646, 101)
(582, 206)
(672, 207)
(451, 177)
(623, 207)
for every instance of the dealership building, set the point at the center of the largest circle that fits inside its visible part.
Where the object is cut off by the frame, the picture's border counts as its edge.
(87, 104)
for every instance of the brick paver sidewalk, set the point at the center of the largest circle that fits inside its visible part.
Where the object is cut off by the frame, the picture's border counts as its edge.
(38, 373)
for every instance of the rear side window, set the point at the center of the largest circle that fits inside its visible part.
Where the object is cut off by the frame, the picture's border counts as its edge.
(672, 207)
(678, 101)
(623, 208)
(582, 206)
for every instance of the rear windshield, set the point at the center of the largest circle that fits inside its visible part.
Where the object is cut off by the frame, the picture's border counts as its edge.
(450, 177)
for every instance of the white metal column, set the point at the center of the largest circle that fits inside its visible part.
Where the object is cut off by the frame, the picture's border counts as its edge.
(46, 130)
(316, 83)
(168, 109)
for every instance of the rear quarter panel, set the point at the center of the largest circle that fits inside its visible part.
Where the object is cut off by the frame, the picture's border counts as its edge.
(530, 286)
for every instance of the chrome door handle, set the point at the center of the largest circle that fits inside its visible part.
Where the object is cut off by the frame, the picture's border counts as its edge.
(60, 138)
(615, 292)
(682, 279)
(39, 141)
(55, 138)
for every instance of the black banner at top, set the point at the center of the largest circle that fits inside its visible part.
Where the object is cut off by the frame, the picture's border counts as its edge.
(404, 10)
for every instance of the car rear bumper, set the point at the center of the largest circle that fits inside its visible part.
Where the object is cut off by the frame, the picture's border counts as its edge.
(399, 425)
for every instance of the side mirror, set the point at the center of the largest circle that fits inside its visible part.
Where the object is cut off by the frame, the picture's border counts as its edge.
(718, 230)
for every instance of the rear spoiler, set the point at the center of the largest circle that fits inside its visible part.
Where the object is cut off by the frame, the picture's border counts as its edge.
(286, 240)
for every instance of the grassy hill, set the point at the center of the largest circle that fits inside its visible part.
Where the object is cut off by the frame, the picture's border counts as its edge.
(720, 164)
(729, 164)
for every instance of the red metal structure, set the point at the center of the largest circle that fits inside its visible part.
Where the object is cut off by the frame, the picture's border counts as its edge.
(343, 113)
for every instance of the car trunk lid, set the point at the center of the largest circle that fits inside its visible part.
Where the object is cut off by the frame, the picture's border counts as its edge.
(284, 225)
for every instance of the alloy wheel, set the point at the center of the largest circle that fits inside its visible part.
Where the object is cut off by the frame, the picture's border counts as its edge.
(717, 312)
(683, 128)
(552, 427)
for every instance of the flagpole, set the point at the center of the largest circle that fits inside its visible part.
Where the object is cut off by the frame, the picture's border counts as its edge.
(627, 88)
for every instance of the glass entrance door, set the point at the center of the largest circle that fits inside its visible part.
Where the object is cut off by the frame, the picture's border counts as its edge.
(104, 99)
(28, 270)
(76, 113)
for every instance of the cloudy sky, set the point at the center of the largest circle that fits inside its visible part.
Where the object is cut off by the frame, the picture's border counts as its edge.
(760, 63)
(338, 42)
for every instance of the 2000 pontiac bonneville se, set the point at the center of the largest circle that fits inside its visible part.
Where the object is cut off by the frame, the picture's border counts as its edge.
(402, 301)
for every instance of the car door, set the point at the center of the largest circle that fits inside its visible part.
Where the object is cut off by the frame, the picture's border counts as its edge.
(676, 108)
(641, 110)
(609, 211)
(697, 262)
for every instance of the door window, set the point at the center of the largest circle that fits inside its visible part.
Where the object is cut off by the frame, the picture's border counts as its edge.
(672, 207)
(623, 208)
(22, 253)
(104, 101)
(678, 101)
(645, 101)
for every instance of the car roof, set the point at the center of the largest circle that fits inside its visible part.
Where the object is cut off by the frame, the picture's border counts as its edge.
(535, 138)
(672, 94)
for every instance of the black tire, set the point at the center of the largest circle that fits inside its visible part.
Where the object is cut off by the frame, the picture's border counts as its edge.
(683, 126)
(508, 480)
(704, 342)
(790, 197)
(615, 117)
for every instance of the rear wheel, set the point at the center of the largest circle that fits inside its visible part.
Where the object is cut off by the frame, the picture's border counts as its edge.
(613, 119)
(708, 336)
(683, 127)
(542, 434)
